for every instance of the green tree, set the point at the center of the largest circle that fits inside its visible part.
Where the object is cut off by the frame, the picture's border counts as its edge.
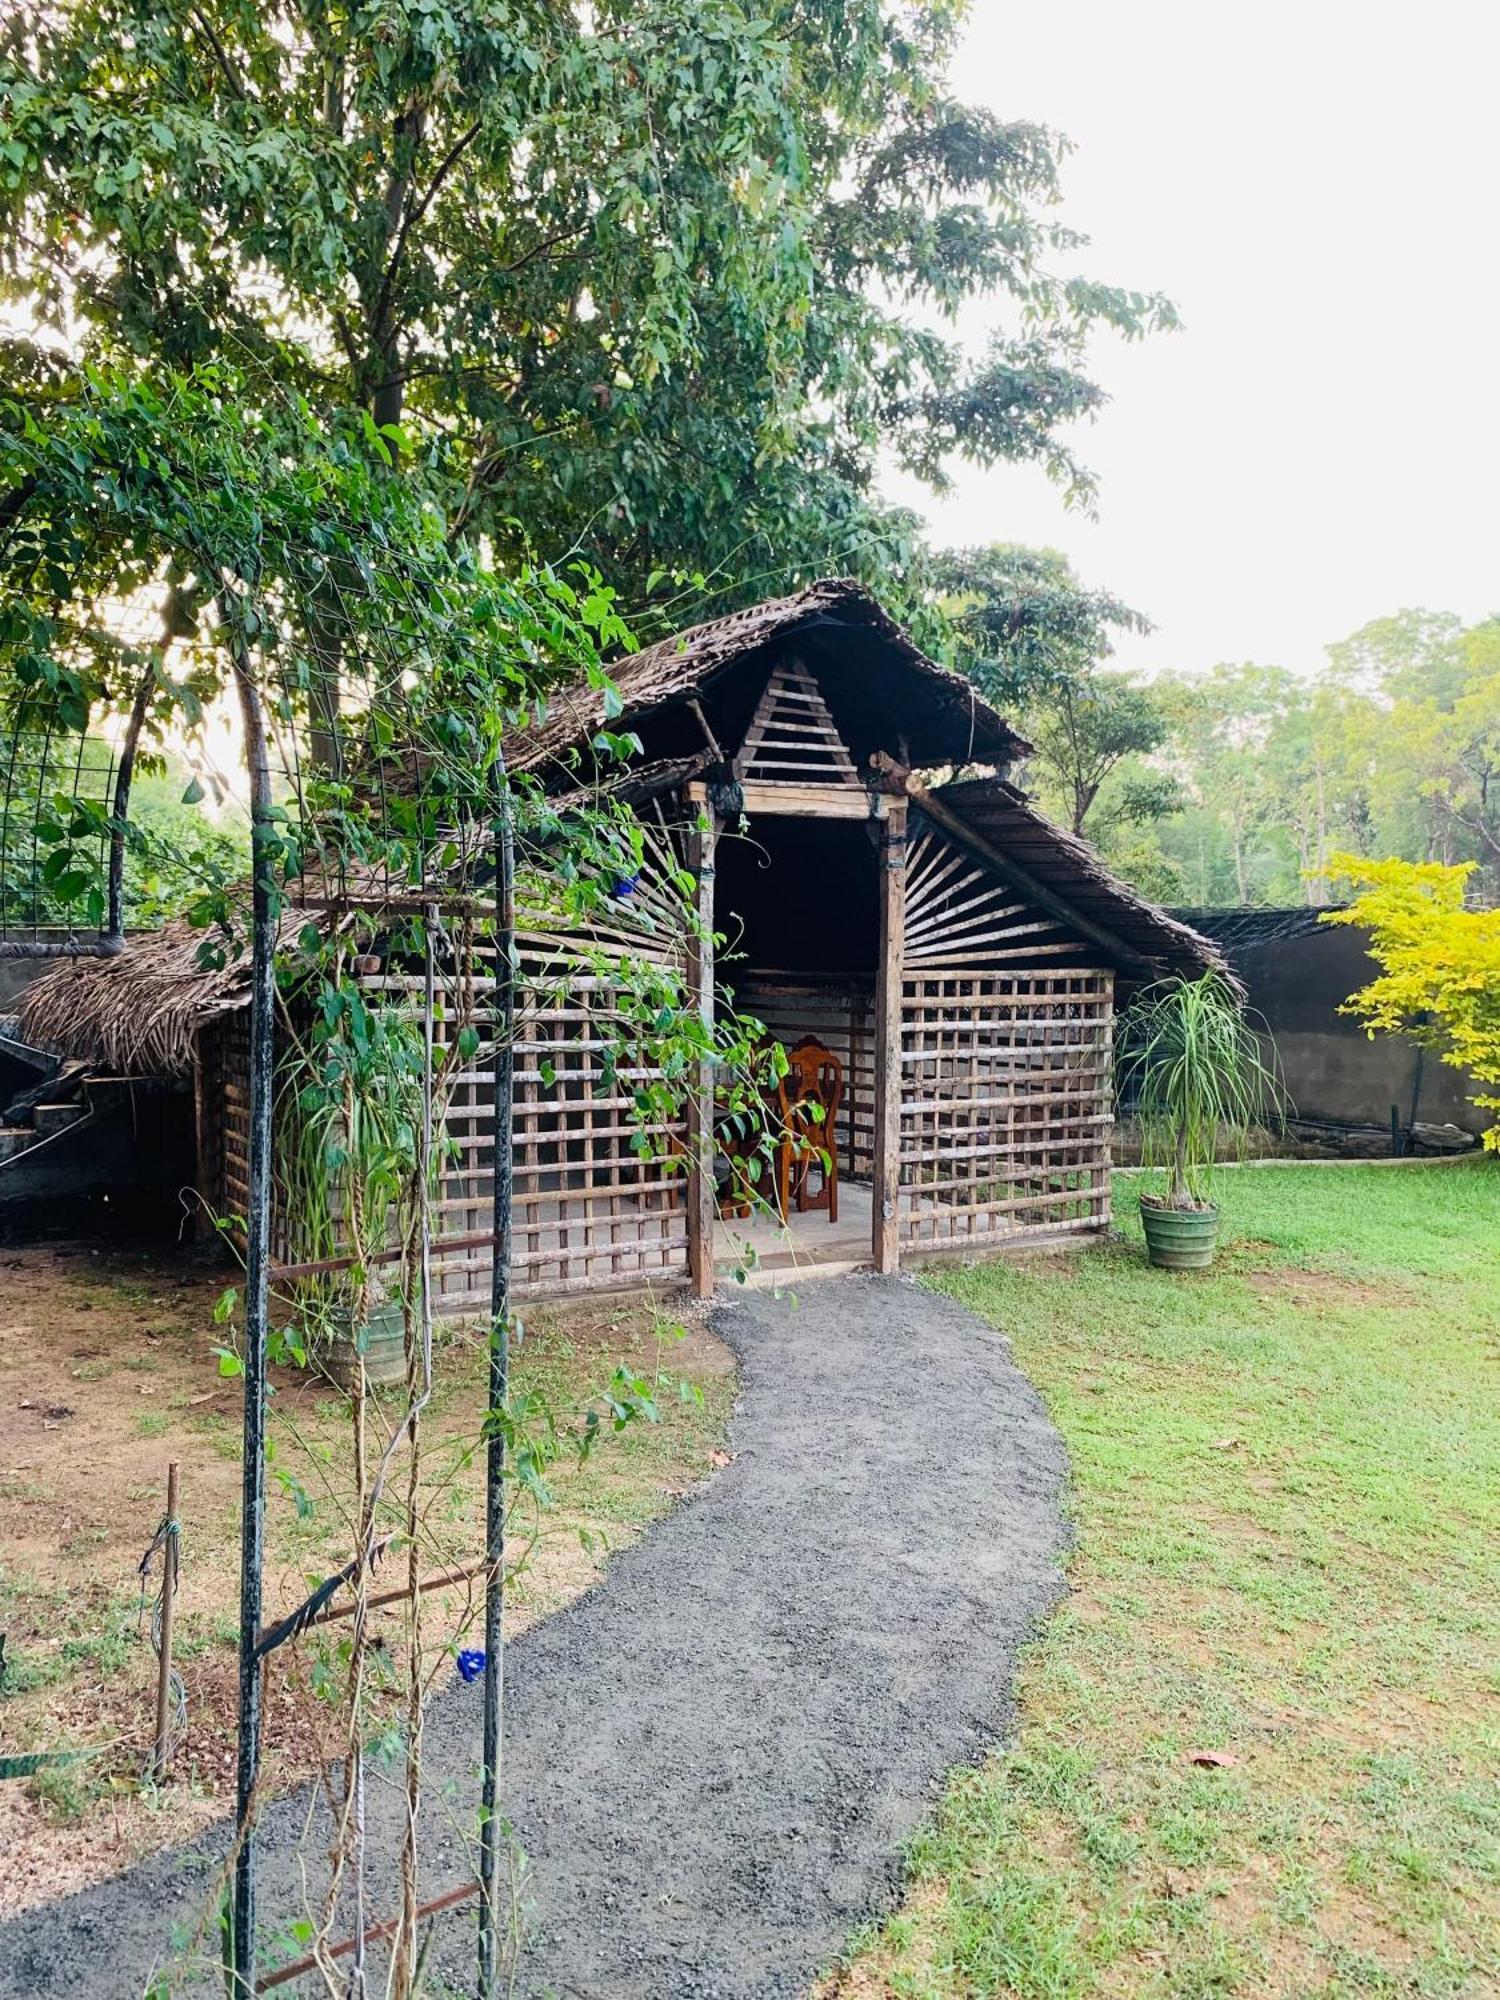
(1033, 637)
(652, 282)
(1278, 769)
(1023, 623)
(1412, 654)
(1092, 735)
(1445, 753)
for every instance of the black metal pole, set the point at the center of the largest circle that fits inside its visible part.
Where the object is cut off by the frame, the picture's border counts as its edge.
(239, 1958)
(502, 1017)
(115, 919)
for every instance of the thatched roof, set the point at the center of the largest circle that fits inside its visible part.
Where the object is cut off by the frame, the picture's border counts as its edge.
(637, 783)
(1237, 928)
(941, 713)
(1067, 868)
(137, 1013)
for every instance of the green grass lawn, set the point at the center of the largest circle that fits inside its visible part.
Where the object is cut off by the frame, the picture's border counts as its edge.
(1286, 1495)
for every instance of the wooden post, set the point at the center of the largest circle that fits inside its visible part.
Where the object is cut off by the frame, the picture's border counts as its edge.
(701, 1102)
(885, 1244)
(159, 1762)
(202, 1179)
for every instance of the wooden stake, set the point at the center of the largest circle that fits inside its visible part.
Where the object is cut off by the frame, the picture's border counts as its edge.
(285, 1974)
(885, 1244)
(159, 1763)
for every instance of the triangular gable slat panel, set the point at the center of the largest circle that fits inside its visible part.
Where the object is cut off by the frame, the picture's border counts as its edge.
(792, 738)
(960, 914)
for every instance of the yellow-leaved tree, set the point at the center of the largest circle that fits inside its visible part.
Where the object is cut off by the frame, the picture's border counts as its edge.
(1439, 981)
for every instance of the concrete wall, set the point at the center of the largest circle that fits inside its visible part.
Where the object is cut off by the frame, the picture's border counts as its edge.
(1334, 1071)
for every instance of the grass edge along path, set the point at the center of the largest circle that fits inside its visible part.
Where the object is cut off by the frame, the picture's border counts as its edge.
(1258, 1748)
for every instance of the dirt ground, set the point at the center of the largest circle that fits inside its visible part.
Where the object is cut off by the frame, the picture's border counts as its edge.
(108, 1371)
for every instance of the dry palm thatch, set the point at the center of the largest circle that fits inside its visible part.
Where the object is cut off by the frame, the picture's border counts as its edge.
(943, 712)
(1009, 825)
(136, 1014)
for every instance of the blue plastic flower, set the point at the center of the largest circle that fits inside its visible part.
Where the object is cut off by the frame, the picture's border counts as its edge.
(471, 1665)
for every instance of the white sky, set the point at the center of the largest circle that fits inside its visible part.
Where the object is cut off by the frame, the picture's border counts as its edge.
(1315, 187)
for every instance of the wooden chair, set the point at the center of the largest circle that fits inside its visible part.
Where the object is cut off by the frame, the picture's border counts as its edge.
(739, 1144)
(736, 1148)
(810, 1094)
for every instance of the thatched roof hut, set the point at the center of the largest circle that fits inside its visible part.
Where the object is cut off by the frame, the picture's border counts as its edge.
(955, 953)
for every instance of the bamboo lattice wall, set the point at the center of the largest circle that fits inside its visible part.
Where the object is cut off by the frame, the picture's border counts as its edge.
(1005, 1105)
(1006, 1037)
(599, 1193)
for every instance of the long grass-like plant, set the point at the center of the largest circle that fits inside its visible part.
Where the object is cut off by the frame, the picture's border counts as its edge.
(1199, 1079)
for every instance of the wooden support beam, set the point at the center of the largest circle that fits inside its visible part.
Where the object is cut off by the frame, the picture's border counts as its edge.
(1022, 879)
(813, 801)
(885, 1243)
(700, 1135)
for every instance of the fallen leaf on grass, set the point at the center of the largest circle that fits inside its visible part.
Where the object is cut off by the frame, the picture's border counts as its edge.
(1213, 1760)
(719, 1458)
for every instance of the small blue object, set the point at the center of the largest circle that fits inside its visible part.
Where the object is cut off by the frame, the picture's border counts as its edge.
(625, 886)
(471, 1665)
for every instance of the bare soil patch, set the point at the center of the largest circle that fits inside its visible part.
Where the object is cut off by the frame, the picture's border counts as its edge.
(108, 1371)
(1319, 1289)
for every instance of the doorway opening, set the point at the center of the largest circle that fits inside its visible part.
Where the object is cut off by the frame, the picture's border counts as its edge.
(796, 900)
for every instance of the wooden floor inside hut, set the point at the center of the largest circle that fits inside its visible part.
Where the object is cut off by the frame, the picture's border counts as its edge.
(808, 1244)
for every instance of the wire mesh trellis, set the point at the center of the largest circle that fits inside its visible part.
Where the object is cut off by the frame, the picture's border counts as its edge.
(67, 765)
(54, 780)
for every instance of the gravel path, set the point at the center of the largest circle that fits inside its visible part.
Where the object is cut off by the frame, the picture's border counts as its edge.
(714, 1758)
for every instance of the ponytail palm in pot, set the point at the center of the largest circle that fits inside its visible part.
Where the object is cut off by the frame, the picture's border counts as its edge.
(1199, 1080)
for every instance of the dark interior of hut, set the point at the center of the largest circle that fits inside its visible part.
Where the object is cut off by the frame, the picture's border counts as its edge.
(797, 905)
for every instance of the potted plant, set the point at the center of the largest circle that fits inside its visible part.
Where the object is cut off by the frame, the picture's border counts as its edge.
(342, 1177)
(1198, 1078)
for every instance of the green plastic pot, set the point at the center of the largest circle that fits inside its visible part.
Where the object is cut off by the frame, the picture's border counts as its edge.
(1180, 1239)
(381, 1345)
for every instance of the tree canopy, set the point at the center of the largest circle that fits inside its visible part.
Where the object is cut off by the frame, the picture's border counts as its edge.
(1393, 751)
(653, 282)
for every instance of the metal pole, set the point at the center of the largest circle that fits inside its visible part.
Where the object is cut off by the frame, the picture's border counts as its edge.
(115, 919)
(239, 1960)
(164, 1636)
(701, 1206)
(502, 1016)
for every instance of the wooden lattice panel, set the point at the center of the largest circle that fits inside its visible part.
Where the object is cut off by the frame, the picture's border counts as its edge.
(792, 738)
(600, 1198)
(1006, 1049)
